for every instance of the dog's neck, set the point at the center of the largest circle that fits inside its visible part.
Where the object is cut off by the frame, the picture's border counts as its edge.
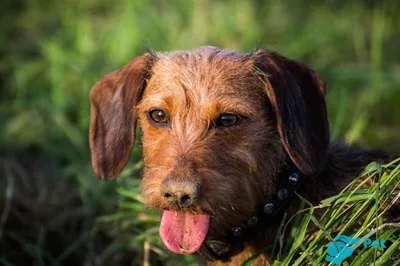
(288, 183)
(343, 163)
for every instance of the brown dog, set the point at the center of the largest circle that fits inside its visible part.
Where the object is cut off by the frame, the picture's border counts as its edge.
(227, 140)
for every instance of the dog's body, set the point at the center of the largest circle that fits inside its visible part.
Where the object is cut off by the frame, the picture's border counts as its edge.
(219, 128)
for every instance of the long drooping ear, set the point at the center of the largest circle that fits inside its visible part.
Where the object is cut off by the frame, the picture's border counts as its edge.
(113, 115)
(297, 95)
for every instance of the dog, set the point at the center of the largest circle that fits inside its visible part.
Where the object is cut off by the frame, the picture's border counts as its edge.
(228, 139)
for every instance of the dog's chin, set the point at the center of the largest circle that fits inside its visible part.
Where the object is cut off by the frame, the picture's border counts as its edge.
(183, 232)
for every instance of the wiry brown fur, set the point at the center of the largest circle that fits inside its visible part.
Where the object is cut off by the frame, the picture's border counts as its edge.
(283, 112)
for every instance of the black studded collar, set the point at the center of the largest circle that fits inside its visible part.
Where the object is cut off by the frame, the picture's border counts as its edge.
(289, 181)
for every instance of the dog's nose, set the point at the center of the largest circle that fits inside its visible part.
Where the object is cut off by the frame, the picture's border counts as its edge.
(180, 193)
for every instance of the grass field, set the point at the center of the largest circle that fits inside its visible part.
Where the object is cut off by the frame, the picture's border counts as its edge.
(53, 211)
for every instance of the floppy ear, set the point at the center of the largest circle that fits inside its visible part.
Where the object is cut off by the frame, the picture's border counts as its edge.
(113, 115)
(297, 95)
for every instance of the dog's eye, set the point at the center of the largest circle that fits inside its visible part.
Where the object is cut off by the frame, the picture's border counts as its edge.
(158, 116)
(227, 120)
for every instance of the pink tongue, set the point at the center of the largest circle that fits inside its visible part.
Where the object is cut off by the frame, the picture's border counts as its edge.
(183, 233)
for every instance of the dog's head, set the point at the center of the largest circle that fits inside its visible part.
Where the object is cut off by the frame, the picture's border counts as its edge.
(217, 127)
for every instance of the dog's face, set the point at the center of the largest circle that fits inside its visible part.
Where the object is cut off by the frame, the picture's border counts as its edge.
(217, 127)
(215, 133)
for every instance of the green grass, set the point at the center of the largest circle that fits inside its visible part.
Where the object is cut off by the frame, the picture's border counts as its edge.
(356, 212)
(52, 52)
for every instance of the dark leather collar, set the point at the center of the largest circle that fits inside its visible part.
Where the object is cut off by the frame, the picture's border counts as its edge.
(289, 181)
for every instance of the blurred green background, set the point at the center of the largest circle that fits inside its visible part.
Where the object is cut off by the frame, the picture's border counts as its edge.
(53, 211)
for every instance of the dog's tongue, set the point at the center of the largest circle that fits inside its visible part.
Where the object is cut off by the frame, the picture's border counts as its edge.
(183, 233)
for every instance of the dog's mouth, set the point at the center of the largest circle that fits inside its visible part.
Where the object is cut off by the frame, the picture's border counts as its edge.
(183, 232)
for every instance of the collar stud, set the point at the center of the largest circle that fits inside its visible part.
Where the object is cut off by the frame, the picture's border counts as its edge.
(237, 231)
(269, 208)
(283, 194)
(252, 221)
(294, 178)
(219, 247)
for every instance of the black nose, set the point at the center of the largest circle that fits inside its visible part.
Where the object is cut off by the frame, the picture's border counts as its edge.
(179, 193)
